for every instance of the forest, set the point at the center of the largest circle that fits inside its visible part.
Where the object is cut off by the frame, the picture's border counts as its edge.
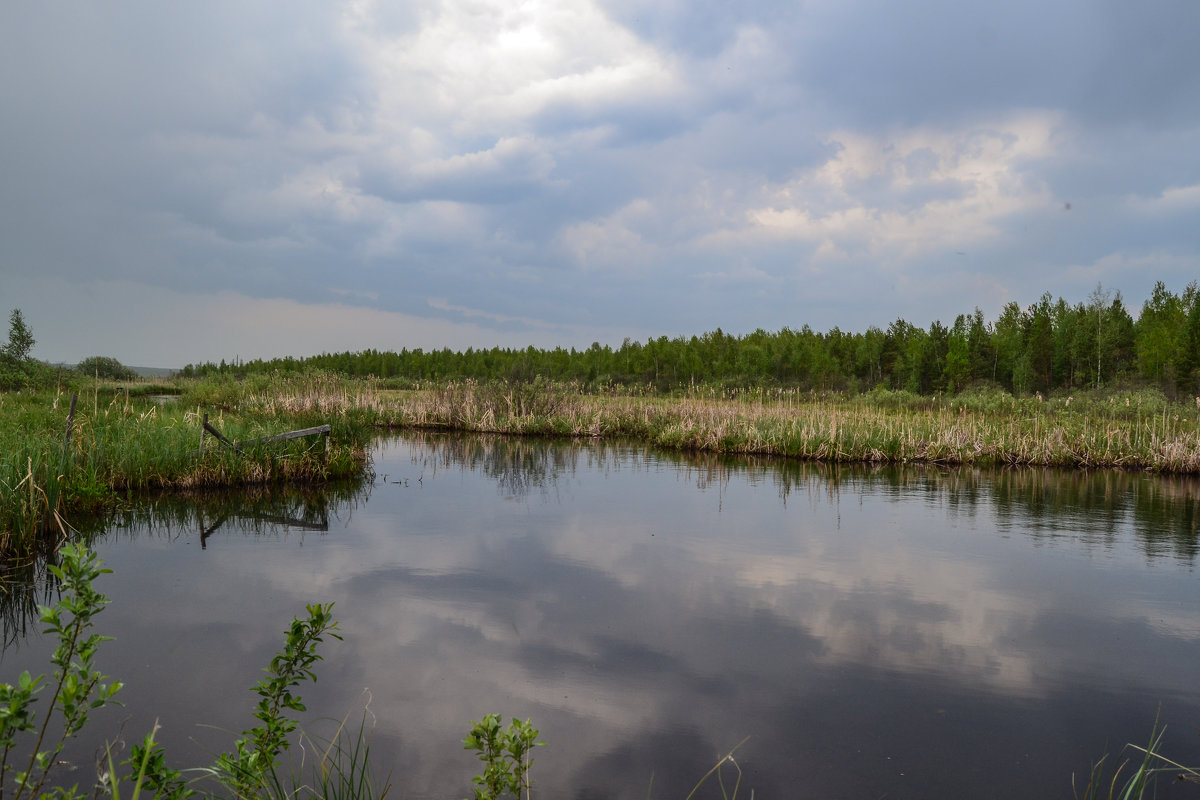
(1050, 346)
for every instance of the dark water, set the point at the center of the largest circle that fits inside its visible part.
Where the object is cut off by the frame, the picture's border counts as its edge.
(898, 633)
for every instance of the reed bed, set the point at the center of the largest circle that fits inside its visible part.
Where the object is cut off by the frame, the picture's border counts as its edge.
(1134, 431)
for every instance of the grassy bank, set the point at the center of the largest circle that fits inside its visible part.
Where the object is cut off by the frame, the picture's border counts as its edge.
(119, 442)
(123, 441)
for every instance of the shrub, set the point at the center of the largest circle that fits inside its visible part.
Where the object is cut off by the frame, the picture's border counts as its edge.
(105, 367)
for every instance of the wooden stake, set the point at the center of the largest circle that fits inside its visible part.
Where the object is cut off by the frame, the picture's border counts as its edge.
(70, 421)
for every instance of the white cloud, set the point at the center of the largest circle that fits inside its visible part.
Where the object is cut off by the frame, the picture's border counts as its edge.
(488, 67)
(898, 196)
(613, 243)
(1172, 200)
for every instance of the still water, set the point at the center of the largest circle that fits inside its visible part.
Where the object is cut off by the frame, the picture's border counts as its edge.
(891, 632)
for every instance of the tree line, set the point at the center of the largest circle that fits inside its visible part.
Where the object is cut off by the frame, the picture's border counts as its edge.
(1048, 346)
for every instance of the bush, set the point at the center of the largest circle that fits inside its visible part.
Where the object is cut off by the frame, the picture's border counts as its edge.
(105, 367)
(77, 688)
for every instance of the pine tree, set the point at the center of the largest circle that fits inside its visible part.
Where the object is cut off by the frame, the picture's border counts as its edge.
(20, 339)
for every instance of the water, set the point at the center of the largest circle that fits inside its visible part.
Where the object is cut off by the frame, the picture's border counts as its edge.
(899, 633)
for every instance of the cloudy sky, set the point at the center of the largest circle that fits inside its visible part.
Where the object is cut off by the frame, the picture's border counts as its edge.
(186, 182)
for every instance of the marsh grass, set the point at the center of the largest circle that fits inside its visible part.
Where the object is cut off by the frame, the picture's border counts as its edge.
(1140, 779)
(729, 793)
(1135, 431)
(120, 443)
(340, 766)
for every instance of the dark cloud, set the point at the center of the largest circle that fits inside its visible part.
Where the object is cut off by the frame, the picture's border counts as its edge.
(304, 154)
(880, 64)
(1145, 68)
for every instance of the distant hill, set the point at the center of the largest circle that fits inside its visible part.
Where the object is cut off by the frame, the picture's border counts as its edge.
(154, 372)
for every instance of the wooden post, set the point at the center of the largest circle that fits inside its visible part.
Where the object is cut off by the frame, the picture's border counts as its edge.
(216, 434)
(70, 421)
(326, 448)
(203, 428)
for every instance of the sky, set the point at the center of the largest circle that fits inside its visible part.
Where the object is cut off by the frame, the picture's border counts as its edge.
(189, 182)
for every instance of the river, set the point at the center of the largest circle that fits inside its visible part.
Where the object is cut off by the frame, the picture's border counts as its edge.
(898, 632)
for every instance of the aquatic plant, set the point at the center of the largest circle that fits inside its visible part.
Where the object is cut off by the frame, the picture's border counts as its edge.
(716, 770)
(252, 769)
(78, 688)
(1147, 768)
(505, 755)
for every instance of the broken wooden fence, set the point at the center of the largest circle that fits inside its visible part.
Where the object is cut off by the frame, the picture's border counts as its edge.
(279, 437)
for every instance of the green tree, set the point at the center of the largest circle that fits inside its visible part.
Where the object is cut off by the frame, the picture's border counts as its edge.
(17, 369)
(957, 373)
(1160, 336)
(105, 367)
(1008, 346)
(869, 356)
(1117, 341)
(1099, 302)
(1189, 366)
(1039, 344)
(20, 338)
(980, 347)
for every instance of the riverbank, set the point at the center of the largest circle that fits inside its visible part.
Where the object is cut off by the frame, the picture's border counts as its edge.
(121, 441)
(1131, 430)
(55, 466)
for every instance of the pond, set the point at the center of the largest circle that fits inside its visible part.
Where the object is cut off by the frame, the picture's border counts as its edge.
(899, 632)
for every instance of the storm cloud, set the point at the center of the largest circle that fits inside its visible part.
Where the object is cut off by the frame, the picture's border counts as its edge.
(184, 184)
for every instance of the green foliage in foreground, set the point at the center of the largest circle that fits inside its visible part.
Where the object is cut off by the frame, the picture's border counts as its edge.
(505, 755)
(252, 769)
(78, 686)
(1142, 781)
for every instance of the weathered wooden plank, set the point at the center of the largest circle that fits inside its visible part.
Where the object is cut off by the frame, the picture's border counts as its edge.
(281, 437)
(291, 522)
(220, 436)
(319, 430)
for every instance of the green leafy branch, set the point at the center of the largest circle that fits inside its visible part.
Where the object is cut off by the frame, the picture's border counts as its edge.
(505, 754)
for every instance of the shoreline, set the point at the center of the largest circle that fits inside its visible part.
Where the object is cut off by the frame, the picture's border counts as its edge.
(120, 443)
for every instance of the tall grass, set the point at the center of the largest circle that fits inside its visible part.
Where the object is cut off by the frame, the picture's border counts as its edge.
(1130, 431)
(1135, 778)
(1137, 430)
(120, 443)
